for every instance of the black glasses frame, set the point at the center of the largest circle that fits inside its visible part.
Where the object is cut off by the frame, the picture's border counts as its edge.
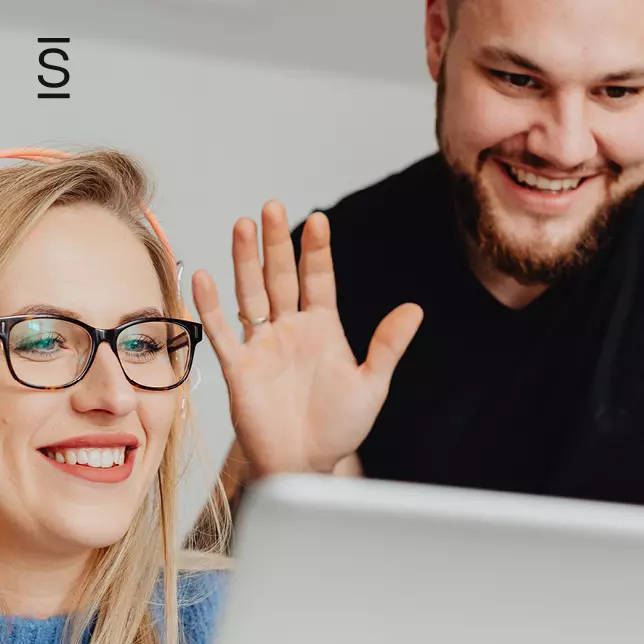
(194, 329)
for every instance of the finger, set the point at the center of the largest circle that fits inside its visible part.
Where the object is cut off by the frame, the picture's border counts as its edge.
(221, 335)
(317, 280)
(280, 271)
(249, 278)
(390, 341)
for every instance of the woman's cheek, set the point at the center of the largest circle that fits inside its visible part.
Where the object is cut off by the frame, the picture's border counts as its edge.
(157, 413)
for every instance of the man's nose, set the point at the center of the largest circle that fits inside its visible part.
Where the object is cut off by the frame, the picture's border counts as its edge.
(562, 135)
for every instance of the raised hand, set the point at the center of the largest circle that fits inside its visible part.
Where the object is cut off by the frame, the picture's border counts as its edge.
(299, 400)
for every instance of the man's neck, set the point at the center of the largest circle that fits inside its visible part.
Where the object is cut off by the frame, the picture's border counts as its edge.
(501, 286)
(37, 585)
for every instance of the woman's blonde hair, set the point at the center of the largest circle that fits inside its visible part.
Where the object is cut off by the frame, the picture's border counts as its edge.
(115, 595)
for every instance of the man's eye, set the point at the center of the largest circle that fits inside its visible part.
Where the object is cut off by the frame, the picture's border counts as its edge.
(617, 92)
(521, 81)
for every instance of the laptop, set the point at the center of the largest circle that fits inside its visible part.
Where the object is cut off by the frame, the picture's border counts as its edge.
(327, 560)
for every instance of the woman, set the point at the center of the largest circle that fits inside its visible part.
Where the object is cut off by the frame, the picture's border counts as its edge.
(97, 352)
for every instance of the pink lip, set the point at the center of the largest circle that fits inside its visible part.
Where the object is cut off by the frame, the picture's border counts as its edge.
(543, 203)
(95, 440)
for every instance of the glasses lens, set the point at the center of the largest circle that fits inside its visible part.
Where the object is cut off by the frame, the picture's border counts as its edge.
(154, 354)
(48, 352)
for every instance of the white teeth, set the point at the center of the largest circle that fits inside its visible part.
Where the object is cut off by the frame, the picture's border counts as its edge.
(93, 457)
(107, 458)
(543, 183)
(525, 177)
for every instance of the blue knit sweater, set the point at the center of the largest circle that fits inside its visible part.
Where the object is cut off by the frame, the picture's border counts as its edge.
(199, 619)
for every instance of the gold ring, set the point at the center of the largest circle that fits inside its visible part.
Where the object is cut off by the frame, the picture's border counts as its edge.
(252, 321)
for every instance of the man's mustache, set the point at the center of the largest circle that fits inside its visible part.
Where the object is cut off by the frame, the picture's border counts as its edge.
(531, 160)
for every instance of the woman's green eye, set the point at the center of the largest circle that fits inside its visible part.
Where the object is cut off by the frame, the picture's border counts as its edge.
(134, 345)
(139, 345)
(39, 344)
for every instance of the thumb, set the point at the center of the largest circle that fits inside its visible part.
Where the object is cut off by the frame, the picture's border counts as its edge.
(390, 341)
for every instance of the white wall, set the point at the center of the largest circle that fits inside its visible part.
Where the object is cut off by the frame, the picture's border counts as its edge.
(219, 134)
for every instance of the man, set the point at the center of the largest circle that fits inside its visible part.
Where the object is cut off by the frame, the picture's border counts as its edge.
(522, 241)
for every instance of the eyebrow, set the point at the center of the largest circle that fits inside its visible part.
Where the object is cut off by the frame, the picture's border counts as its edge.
(502, 55)
(48, 309)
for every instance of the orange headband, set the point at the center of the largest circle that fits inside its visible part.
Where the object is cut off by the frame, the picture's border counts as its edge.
(44, 155)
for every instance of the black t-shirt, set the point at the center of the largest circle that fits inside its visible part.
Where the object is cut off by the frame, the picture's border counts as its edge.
(548, 399)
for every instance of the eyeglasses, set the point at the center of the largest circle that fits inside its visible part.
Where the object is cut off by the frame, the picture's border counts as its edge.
(54, 352)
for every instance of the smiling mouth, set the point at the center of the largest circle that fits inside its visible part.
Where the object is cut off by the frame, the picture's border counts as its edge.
(537, 183)
(92, 457)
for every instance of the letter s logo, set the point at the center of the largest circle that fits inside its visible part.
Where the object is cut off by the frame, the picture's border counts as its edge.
(46, 65)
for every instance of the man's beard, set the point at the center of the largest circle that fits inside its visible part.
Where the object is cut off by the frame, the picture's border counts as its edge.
(476, 221)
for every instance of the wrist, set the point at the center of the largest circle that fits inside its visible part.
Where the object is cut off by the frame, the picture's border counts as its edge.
(265, 470)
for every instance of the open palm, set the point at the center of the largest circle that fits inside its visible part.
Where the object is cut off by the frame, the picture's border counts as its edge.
(299, 400)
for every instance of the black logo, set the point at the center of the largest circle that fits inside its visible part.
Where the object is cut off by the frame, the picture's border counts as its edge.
(51, 51)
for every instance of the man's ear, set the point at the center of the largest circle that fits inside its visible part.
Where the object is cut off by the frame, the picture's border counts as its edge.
(437, 31)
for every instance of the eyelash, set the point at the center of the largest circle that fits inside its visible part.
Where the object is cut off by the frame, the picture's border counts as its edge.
(508, 77)
(30, 350)
(152, 347)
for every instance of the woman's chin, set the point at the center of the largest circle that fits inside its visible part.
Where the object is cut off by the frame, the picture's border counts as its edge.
(101, 538)
(84, 533)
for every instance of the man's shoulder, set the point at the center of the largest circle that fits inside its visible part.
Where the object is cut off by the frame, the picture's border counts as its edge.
(380, 206)
(410, 184)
